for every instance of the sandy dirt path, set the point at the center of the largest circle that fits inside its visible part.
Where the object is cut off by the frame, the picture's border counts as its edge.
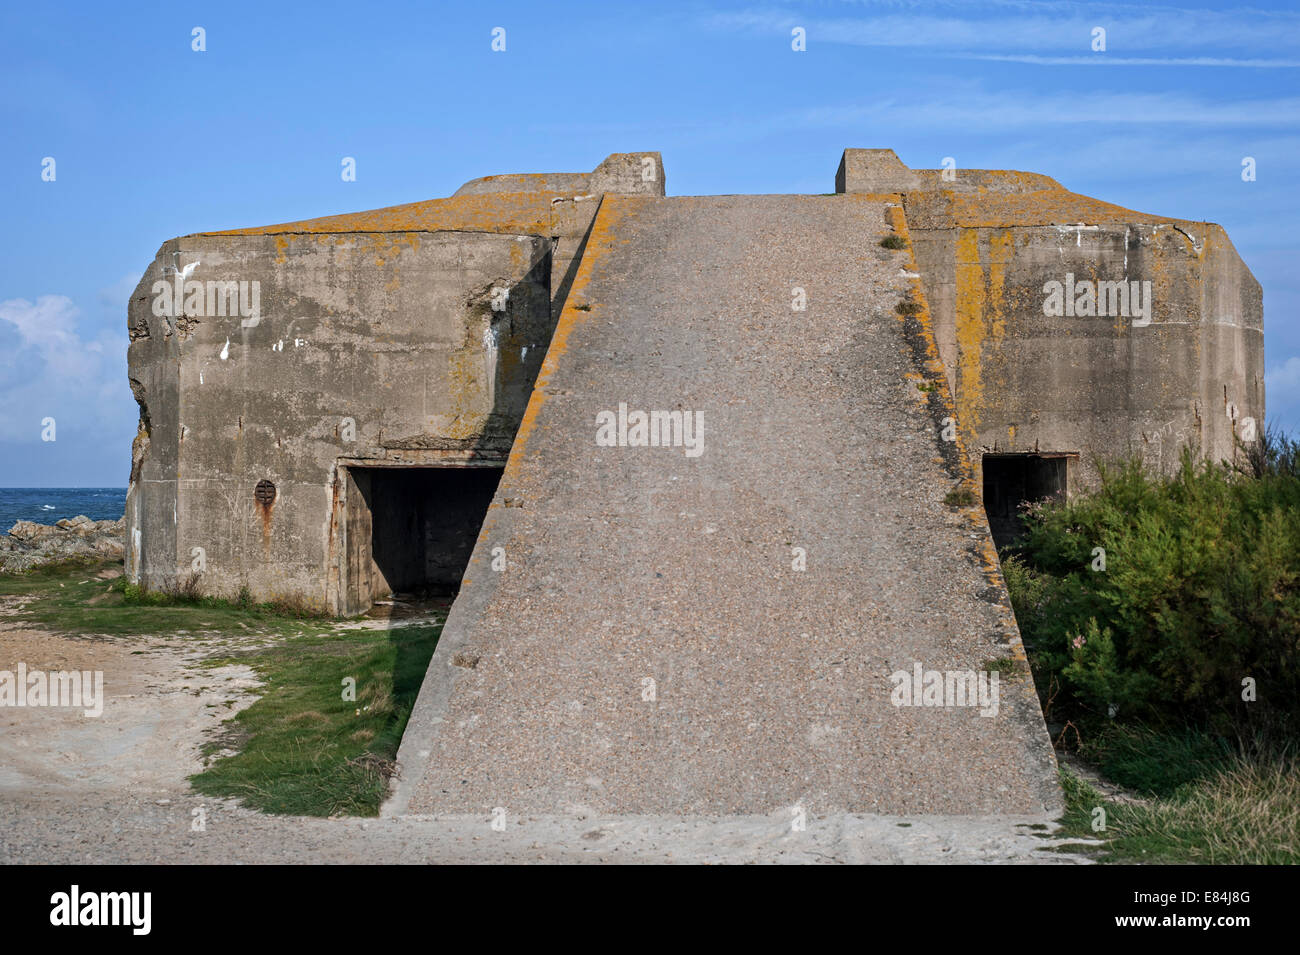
(113, 790)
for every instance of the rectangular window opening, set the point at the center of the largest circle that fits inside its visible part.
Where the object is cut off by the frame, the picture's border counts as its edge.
(410, 531)
(1013, 480)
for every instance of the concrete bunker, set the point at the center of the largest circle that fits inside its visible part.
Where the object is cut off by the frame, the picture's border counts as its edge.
(414, 336)
(409, 530)
(1013, 480)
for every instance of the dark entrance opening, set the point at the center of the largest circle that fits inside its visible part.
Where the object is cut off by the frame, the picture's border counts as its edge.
(410, 530)
(1013, 480)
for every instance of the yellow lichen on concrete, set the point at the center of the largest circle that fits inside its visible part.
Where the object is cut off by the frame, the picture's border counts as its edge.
(577, 309)
(972, 515)
(1046, 207)
(970, 309)
(1001, 255)
(937, 384)
(509, 212)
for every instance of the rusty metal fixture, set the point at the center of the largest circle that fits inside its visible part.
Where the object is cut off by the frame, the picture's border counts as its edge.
(264, 493)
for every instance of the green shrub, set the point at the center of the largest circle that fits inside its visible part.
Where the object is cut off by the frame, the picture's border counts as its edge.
(1200, 591)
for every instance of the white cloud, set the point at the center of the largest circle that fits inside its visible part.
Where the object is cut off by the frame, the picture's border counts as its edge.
(47, 325)
(1018, 28)
(974, 109)
(1282, 393)
(47, 369)
(1096, 60)
(1284, 379)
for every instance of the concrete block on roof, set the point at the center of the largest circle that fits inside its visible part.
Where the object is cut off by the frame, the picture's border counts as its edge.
(557, 182)
(874, 170)
(634, 174)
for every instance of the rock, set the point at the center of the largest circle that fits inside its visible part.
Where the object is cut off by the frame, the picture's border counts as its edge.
(27, 530)
(30, 545)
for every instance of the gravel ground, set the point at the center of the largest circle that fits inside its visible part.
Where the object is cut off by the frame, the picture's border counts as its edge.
(131, 828)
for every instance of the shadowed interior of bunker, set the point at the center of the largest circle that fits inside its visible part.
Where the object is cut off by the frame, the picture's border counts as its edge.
(411, 530)
(1013, 480)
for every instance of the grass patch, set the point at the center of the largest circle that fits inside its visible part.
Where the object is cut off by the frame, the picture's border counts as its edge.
(1153, 763)
(303, 748)
(893, 242)
(1005, 667)
(960, 497)
(1244, 813)
(908, 306)
(77, 596)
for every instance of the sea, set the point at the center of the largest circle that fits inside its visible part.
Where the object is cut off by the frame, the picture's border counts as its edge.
(45, 505)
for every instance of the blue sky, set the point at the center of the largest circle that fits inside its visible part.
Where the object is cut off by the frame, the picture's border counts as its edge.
(152, 139)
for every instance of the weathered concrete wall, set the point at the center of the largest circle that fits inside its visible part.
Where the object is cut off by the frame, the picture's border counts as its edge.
(151, 498)
(1188, 374)
(565, 219)
(376, 340)
(1097, 384)
(574, 199)
(363, 346)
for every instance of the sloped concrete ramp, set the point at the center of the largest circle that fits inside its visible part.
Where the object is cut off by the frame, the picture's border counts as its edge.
(648, 645)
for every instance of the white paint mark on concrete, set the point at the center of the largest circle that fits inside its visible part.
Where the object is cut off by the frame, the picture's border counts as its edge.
(490, 340)
(186, 272)
(225, 350)
(1078, 229)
